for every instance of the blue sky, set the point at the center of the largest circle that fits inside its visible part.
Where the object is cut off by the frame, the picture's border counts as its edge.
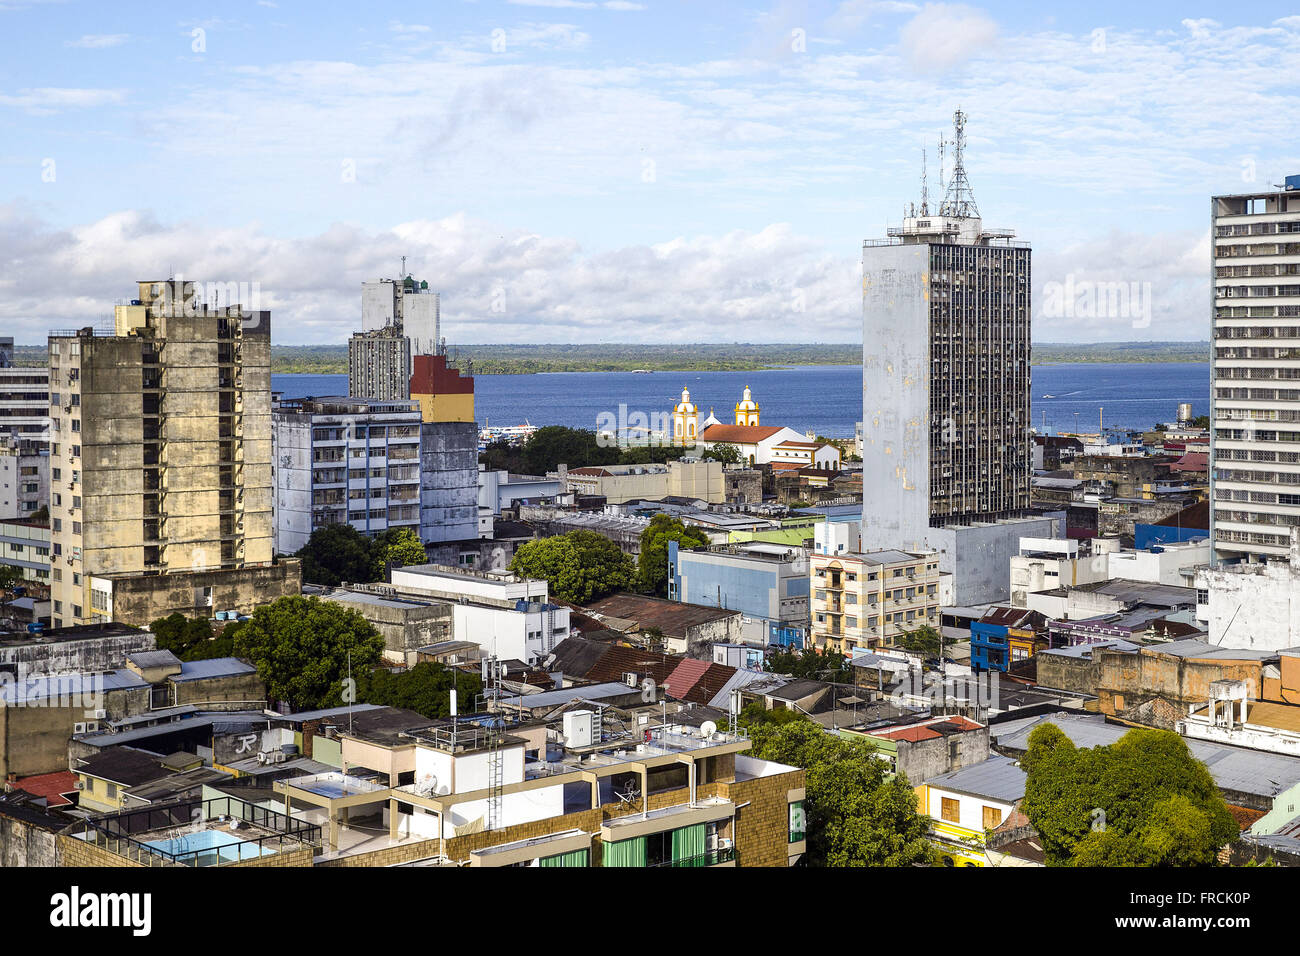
(609, 170)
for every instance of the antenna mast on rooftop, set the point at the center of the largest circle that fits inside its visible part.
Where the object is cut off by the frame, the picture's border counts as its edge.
(403, 267)
(925, 187)
(959, 202)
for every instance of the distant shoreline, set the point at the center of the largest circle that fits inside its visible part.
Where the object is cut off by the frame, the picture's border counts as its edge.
(711, 357)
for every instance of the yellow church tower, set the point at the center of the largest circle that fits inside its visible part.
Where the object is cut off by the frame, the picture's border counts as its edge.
(747, 410)
(686, 420)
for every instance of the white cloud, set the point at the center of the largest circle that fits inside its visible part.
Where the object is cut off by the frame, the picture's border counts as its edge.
(98, 41)
(1201, 28)
(49, 99)
(684, 289)
(558, 4)
(942, 35)
(623, 5)
(851, 15)
(774, 283)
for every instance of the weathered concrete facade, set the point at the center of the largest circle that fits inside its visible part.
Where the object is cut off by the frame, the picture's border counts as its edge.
(85, 649)
(448, 481)
(140, 600)
(161, 435)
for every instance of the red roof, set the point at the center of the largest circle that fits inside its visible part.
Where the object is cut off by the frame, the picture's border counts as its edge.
(51, 786)
(738, 434)
(697, 681)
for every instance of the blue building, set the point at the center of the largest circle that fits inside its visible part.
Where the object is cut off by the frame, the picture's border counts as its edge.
(1002, 637)
(764, 581)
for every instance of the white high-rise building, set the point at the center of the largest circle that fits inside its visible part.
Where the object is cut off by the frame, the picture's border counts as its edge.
(400, 318)
(945, 383)
(1255, 394)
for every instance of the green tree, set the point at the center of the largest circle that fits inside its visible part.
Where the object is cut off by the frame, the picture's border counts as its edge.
(396, 546)
(724, 452)
(1142, 801)
(300, 647)
(425, 688)
(578, 567)
(179, 634)
(553, 445)
(811, 664)
(924, 640)
(337, 553)
(10, 577)
(652, 563)
(855, 815)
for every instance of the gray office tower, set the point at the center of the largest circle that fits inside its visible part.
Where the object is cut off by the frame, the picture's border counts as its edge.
(400, 318)
(946, 445)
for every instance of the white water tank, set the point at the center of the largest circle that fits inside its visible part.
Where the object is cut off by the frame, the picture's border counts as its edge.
(581, 728)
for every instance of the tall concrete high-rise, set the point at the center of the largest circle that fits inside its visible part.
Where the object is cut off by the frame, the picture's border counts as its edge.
(945, 374)
(400, 318)
(160, 455)
(1255, 393)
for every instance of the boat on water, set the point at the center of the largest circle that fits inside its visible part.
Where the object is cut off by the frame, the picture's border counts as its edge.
(513, 434)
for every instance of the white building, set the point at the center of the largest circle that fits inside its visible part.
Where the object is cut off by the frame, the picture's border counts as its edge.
(772, 444)
(24, 478)
(24, 398)
(1254, 415)
(1047, 563)
(1175, 563)
(507, 615)
(340, 460)
(1255, 605)
(406, 304)
(498, 490)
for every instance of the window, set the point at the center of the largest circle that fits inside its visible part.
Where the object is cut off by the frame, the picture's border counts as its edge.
(798, 824)
(950, 809)
(992, 817)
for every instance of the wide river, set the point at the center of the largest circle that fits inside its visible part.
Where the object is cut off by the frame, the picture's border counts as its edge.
(821, 398)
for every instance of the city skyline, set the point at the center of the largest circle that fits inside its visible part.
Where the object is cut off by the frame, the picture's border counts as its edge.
(578, 171)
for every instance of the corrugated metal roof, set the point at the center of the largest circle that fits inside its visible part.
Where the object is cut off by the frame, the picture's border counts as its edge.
(214, 668)
(997, 778)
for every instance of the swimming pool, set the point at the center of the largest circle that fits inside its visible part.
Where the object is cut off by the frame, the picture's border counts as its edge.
(210, 847)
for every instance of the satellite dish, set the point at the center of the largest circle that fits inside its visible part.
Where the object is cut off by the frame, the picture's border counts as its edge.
(708, 728)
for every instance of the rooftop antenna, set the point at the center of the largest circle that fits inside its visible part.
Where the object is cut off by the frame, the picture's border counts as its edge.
(925, 186)
(942, 151)
(959, 201)
(403, 267)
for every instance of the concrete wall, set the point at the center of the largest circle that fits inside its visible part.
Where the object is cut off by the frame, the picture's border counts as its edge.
(1255, 606)
(34, 659)
(139, 601)
(448, 481)
(979, 555)
(895, 396)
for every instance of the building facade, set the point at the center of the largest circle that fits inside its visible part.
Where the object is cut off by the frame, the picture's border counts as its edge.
(946, 365)
(160, 444)
(24, 398)
(767, 582)
(351, 461)
(24, 477)
(868, 600)
(1255, 392)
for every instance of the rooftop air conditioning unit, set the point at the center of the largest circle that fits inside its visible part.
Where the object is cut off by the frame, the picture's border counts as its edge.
(79, 785)
(630, 678)
(101, 714)
(78, 728)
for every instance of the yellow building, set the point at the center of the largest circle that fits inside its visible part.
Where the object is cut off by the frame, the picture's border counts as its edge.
(868, 600)
(747, 409)
(686, 420)
(444, 394)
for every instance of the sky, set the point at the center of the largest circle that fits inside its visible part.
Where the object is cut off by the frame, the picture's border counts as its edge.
(622, 170)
